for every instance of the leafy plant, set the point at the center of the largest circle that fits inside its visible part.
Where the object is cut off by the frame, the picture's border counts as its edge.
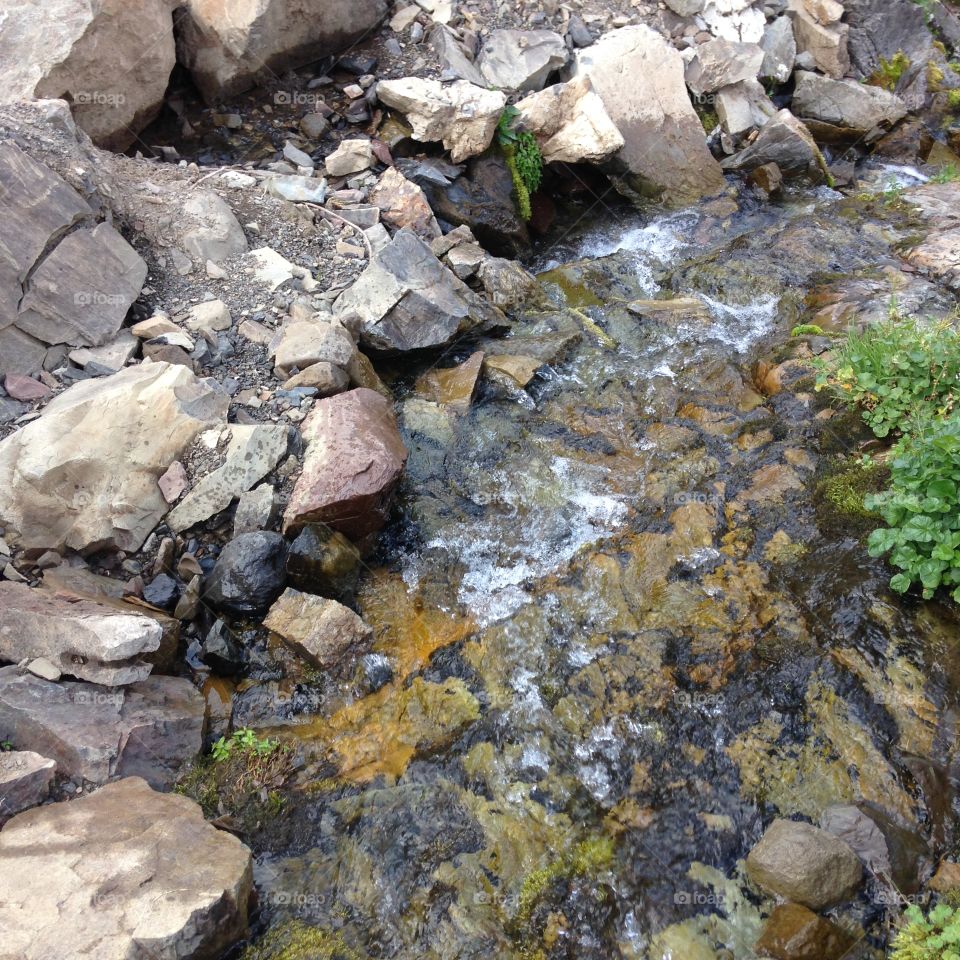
(888, 74)
(523, 157)
(244, 740)
(932, 937)
(948, 172)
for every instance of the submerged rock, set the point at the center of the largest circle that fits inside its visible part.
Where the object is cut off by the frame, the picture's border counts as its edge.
(249, 574)
(323, 561)
(793, 932)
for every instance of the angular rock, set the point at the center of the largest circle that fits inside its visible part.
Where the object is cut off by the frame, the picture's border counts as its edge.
(272, 270)
(454, 62)
(407, 300)
(779, 50)
(880, 29)
(323, 561)
(24, 388)
(825, 43)
(802, 863)
(403, 204)
(452, 387)
(570, 123)
(328, 634)
(743, 106)
(665, 151)
(306, 342)
(521, 59)
(111, 356)
(210, 316)
(783, 140)
(25, 779)
(208, 229)
(256, 510)
(149, 729)
(297, 189)
(84, 475)
(20, 353)
(462, 115)
(104, 876)
(84, 639)
(465, 258)
(354, 459)
(856, 107)
(351, 156)
(793, 932)
(249, 574)
(326, 378)
(506, 284)
(719, 63)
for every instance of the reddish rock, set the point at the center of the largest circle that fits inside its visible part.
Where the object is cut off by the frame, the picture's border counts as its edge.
(403, 204)
(354, 458)
(24, 388)
(793, 932)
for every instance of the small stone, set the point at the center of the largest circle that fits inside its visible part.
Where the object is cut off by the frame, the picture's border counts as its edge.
(155, 326)
(256, 510)
(296, 156)
(793, 932)
(173, 482)
(345, 249)
(352, 156)
(24, 388)
(767, 177)
(323, 561)
(326, 378)
(162, 592)
(249, 574)
(215, 271)
(314, 126)
(25, 779)
(45, 669)
(211, 315)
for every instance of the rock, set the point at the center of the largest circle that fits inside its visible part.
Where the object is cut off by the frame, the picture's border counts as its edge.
(162, 591)
(826, 43)
(856, 107)
(403, 204)
(802, 863)
(323, 561)
(453, 59)
(24, 388)
(354, 458)
(407, 300)
(521, 59)
(229, 49)
(452, 387)
(83, 638)
(783, 140)
(352, 156)
(768, 178)
(734, 20)
(462, 115)
(209, 230)
(20, 352)
(328, 634)
(665, 151)
(946, 878)
(252, 453)
(513, 370)
(25, 779)
(111, 60)
(111, 357)
(719, 63)
(570, 123)
(256, 510)
(249, 574)
(149, 729)
(326, 378)
(314, 126)
(154, 326)
(220, 651)
(44, 669)
(686, 8)
(464, 259)
(210, 316)
(793, 932)
(104, 876)
(879, 30)
(273, 270)
(296, 156)
(506, 284)
(84, 475)
(173, 482)
(779, 50)
(306, 342)
(297, 189)
(743, 106)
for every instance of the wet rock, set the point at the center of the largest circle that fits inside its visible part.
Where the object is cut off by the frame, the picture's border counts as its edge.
(825, 43)
(453, 387)
(84, 475)
(783, 140)
(507, 285)
(403, 204)
(514, 371)
(105, 874)
(162, 591)
(220, 651)
(767, 177)
(856, 107)
(521, 59)
(719, 63)
(25, 779)
(306, 342)
(463, 115)
(328, 634)
(802, 863)
(793, 932)
(96, 58)
(664, 148)
(149, 729)
(323, 561)
(228, 50)
(82, 638)
(407, 300)
(351, 156)
(779, 50)
(256, 510)
(354, 458)
(249, 574)
(570, 123)
(880, 29)
(946, 878)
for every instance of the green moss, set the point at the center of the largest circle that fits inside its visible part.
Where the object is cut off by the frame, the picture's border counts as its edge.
(846, 487)
(295, 940)
(934, 76)
(953, 99)
(888, 74)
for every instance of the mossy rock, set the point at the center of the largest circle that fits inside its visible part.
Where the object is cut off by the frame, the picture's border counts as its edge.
(295, 940)
(845, 487)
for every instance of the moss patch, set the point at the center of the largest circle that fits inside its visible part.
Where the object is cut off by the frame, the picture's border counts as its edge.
(295, 940)
(848, 483)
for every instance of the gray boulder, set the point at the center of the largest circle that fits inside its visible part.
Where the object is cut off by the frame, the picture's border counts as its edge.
(779, 50)
(783, 140)
(25, 779)
(718, 63)
(521, 59)
(855, 107)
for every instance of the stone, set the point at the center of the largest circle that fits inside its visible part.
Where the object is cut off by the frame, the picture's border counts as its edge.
(296, 156)
(514, 370)
(82, 638)
(686, 8)
(462, 115)
(571, 123)
(326, 378)
(24, 388)
(465, 259)
(351, 156)
(792, 932)
(719, 63)
(173, 482)
(743, 106)
(84, 474)
(403, 204)
(779, 50)
(506, 284)
(825, 43)
(20, 353)
(314, 126)
(881, 29)
(639, 77)
(104, 876)
(946, 878)
(454, 62)
(45, 669)
(154, 326)
(521, 59)
(452, 387)
(249, 574)
(362, 216)
(323, 561)
(407, 300)
(256, 510)
(306, 342)
(229, 49)
(25, 779)
(220, 651)
(210, 316)
(767, 177)
(734, 20)
(111, 60)
(112, 356)
(252, 452)
(162, 591)
(354, 459)
(297, 189)
(326, 633)
(149, 729)
(209, 230)
(856, 107)
(805, 864)
(272, 270)
(783, 140)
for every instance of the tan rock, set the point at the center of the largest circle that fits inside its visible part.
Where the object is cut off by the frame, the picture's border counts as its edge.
(826, 43)
(306, 342)
(351, 156)
(453, 387)
(403, 204)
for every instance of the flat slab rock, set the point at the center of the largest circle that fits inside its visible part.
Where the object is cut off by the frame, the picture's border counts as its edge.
(148, 729)
(25, 779)
(122, 873)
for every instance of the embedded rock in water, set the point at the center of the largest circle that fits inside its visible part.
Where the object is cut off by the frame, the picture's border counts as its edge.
(783, 140)
(521, 59)
(407, 299)
(853, 106)
(84, 474)
(148, 729)
(123, 872)
(353, 461)
(82, 638)
(111, 60)
(249, 574)
(718, 63)
(230, 47)
(802, 863)
(639, 77)
(25, 779)
(323, 561)
(793, 932)
(402, 204)
(462, 115)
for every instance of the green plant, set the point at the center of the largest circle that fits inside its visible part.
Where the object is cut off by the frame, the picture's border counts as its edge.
(523, 158)
(947, 173)
(244, 740)
(6, 746)
(888, 74)
(807, 330)
(932, 937)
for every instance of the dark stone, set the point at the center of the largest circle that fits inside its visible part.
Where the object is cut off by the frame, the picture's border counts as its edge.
(220, 651)
(578, 32)
(323, 561)
(162, 591)
(249, 574)
(358, 65)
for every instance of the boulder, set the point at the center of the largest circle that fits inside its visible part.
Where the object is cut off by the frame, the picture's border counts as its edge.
(324, 377)
(570, 123)
(739, 21)
(84, 474)
(110, 59)
(249, 574)
(826, 43)
(403, 204)
(230, 47)
(328, 634)
(856, 107)
(455, 64)
(639, 77)
(880, 29)
(521, 59)
(743, 106)
(507, 285)
(462, 115)
(779, 50)
(82, 638)
(354, 459)
(148, 729)
(793, 932)
(306, 342)
(323, 561)
(121, 873)
(25, 779)
(407, 300)
(453, 387)
(805, 864)
(719, 63)
(351, 156)
(783, 140)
